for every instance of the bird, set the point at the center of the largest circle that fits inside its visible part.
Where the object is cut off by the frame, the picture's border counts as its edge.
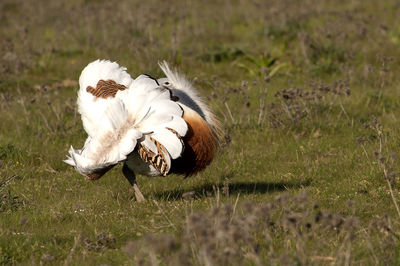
(154, 127)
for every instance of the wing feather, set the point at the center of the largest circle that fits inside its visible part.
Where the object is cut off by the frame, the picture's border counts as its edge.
(170, 141)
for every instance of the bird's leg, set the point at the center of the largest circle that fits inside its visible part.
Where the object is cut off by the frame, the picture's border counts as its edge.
(130, 175)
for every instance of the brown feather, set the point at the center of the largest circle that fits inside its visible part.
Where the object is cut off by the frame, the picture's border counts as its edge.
(99, 173)
(105, 89)
(200, 146)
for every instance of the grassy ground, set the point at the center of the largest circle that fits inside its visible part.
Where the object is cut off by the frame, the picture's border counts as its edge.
(308, 94)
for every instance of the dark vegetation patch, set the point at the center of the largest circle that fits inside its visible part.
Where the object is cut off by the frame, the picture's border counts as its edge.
(286, 230)
(101, 242)
(9, 202)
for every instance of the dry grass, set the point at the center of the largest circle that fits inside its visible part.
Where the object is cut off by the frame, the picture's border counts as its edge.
(287, 230)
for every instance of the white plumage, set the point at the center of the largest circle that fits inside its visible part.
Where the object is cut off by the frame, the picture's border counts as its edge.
(91, 110)
(137, 121)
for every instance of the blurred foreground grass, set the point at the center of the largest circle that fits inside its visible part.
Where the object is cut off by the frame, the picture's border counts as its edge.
(308, 95)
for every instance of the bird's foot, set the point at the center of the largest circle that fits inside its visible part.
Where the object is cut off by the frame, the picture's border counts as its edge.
(138, 194)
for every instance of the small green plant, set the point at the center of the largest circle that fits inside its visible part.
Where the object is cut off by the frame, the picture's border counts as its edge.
(264, 65)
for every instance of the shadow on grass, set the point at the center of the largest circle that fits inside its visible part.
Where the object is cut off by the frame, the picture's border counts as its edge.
(234, 188)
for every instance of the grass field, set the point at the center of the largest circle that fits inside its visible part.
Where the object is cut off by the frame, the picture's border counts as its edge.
(307, 173)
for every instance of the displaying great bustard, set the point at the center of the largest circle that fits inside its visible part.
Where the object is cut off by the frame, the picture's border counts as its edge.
(154, 126)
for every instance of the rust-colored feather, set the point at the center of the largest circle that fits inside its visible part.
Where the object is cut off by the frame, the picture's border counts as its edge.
(200, 146)
(105, 89)
(99, 173)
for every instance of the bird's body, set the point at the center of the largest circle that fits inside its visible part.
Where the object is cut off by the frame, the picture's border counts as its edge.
(156, 127)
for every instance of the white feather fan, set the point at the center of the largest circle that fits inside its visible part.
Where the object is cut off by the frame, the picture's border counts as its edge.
(116, 125)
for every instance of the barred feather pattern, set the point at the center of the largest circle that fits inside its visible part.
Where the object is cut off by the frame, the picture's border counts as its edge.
(105, 88)
(158, 160)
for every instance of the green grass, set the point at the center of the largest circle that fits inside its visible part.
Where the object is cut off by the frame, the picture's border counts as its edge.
(308, 96)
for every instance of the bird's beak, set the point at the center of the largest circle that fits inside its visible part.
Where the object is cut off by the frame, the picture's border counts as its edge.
(99, 173)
